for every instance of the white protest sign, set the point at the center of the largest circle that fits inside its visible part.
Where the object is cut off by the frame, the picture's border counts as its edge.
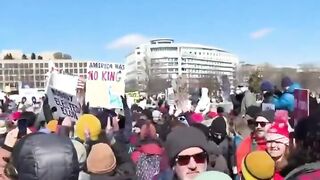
(268, 106)
(66, 104)
(105, 84)
(64, 82)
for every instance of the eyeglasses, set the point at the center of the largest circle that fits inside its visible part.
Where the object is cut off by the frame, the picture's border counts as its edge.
(199, 158)
(262, 124)
(256, 124)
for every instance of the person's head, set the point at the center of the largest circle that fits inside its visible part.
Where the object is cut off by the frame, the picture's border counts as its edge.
(266, 87)
(258, 165)
(34, 100)
(220, 110)
(218, 130)
(187, 149)
(36, 148)
(286, 82)
(278, 140)
(263, 123)
(23, 100)
(307, 140)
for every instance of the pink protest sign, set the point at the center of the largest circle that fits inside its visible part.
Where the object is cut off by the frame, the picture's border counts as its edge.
(301, 104)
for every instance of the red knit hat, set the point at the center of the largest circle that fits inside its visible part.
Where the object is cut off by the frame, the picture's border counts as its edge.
(279, 132)
(197, 117)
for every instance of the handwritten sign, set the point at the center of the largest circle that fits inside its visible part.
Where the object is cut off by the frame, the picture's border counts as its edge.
(301, 104)
(98, 71)
(65, 103)
(105, 84)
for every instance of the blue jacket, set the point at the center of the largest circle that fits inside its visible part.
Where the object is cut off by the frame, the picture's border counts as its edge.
(286, 101)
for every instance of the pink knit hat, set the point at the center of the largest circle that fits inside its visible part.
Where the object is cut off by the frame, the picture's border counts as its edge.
(197, 117)
(279, 131)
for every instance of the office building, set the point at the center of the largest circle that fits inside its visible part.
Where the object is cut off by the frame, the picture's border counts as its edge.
(164, 58)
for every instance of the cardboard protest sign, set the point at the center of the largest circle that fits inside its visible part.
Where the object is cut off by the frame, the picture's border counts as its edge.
(66, 104)
(104, 95)
(105, 84)
(64, 82)
(301, 104)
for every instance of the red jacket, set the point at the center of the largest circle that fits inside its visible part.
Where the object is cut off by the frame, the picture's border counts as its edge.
(246, 146)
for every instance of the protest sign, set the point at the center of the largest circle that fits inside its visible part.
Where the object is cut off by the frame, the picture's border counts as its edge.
(99, 71)
(105, 84)
(268, 106)
(66, 104)
(301, 104)
(64, 82)
(170, 96)
(135, 95)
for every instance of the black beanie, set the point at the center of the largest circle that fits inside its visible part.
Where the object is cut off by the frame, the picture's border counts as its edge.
(182, 138)
(218, 130)
(203, 128)
(268, 115)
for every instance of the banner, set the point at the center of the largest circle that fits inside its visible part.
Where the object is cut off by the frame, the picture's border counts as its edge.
(66, 104)
(135, 95)
(105, 84)
(301, 104)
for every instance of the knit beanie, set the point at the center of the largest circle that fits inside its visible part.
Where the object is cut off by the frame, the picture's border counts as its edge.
(258, 165)
(81, 152)
(253, 111)
(218, 130)
(279, 130)
(266, 86)
(286, 82)
(88, 122)
(203, 128)
(197, 117)
(182, 138)
(267, 115)
(101, 159)
(213, 175)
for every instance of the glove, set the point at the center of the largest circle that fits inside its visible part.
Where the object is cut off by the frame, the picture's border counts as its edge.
(124, 101)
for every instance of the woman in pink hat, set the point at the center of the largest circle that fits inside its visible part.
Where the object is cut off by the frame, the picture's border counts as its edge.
(278, 143)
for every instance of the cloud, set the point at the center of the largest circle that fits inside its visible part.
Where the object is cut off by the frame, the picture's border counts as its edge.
(261, 33)
(128, 41)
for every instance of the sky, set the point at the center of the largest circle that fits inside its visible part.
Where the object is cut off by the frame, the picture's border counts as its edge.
(281, 32)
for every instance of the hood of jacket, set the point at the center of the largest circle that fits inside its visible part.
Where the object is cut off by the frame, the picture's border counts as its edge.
(293, 87)
(307, 171)
(45, 156)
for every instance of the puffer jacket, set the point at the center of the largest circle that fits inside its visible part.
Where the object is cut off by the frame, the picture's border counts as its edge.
(286, 101)
(309, 171)
(42, 156)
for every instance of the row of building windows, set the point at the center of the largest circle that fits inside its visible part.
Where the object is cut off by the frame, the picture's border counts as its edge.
(164, 49)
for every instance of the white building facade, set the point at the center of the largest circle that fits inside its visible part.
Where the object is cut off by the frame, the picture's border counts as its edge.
(34, 72)
(164, 58)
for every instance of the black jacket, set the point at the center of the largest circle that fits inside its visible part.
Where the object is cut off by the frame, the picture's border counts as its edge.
(42, 156)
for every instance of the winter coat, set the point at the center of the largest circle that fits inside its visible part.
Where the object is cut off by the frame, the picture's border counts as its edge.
(305, 172)
(286, 101)
(45, 156)
(248, 100)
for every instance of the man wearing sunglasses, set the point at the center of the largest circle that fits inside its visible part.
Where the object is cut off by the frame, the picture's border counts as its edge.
(256, 141)
(187, 149)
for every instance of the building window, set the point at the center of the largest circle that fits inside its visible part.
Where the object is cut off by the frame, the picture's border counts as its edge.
(76, 71)
(70, 64)
(75, 65)
(81, 70)
(60, 65)
(85, 70)
(38, 84)
(41, 65)
(37, 71)
(42, 84)
(138, 53)
(80, 64)
(66, 65)
(0, 72)
(46, 65)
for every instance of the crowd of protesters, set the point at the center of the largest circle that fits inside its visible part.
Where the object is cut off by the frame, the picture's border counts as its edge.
(154, 143)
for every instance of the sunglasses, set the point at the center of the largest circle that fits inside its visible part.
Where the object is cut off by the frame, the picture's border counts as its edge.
(199, 158)
(256, 124)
